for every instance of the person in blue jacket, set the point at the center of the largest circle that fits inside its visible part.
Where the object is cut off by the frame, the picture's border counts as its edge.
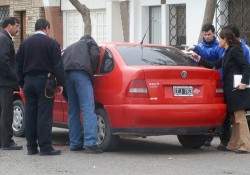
(214, 54)
(217, 52)
(208, 41)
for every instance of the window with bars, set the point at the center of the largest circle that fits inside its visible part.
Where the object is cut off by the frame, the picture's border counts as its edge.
(4, 12)
(234, 12)
(177, 25)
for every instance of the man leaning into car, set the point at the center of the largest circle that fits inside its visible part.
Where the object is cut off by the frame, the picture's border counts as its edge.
(80, 63)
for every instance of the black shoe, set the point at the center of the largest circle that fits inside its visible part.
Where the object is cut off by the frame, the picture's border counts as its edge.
(241, 152)
(222, 147)
(93, 149)
(50, 153)
(12, 146)
(32, 152)
(77, 149)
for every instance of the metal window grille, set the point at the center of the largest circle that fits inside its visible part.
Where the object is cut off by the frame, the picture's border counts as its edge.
(177, 25)
(4, 12)
(234, 12)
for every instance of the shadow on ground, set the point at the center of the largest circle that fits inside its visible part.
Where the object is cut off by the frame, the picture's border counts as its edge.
(149, 145)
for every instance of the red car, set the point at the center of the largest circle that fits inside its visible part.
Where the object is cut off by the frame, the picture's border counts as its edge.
(143, 90)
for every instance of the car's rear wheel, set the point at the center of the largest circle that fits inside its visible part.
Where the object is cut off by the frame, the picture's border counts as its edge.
(192, 141)
(18, 125)
(106, 140)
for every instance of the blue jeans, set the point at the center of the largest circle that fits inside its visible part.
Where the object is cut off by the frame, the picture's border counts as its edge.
(80, 98)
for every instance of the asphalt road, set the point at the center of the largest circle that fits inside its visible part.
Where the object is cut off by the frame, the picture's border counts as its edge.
(138, 156)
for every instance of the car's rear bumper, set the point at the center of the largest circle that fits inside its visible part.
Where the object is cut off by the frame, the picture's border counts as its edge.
(153, 117)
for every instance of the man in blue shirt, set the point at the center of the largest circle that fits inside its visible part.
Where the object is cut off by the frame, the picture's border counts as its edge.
(209, 41)
(214, 54)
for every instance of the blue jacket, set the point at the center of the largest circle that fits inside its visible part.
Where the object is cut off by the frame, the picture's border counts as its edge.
(217, 53)
(208, 45)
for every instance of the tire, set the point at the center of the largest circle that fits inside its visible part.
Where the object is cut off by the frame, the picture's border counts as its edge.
(192, 141)
(18, 125)
(106, 140)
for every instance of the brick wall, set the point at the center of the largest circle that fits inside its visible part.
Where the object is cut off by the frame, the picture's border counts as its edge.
(34, 10)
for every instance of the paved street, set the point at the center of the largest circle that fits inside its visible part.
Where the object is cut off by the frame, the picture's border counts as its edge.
(154, 155)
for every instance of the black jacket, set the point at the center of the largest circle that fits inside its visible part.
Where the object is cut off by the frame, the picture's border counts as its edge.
(39, 55)
(233, 62)
(7, 61)
(82, 55)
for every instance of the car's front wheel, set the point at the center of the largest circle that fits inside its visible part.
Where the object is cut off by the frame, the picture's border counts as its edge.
(192, 141)
(106, 140)
(18, 125)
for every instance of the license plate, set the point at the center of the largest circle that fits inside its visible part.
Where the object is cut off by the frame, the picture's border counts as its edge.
(182, 91)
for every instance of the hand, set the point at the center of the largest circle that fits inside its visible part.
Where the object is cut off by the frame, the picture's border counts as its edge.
(241, 86)
(196, 57)
(59, 90)
(191, 48)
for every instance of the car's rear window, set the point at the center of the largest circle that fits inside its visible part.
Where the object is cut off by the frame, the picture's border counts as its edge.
(152, 55)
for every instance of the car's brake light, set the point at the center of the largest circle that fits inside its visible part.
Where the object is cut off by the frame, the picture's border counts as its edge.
(219, 89)
(137, 88)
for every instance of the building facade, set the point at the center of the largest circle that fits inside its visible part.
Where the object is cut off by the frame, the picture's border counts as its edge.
(167, 22)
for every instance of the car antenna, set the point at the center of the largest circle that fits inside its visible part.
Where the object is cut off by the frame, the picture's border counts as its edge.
(144, 35)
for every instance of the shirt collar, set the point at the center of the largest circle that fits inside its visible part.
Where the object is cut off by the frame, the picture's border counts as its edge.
(9, 35)
(40, 32)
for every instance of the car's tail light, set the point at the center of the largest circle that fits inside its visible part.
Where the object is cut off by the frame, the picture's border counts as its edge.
(219, 89)
(137, 88)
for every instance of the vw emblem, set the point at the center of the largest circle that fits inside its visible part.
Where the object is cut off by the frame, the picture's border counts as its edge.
(183, 74)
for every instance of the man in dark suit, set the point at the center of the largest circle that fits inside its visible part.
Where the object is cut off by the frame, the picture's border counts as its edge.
(38, 57)
(8, 82)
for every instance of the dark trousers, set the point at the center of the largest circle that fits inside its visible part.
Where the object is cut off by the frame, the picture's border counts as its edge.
(38, 114)
(226, 130)
(6, 103)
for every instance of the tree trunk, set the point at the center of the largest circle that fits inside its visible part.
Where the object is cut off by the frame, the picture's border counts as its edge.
(85, 12)
(208, 15)
(124, 7)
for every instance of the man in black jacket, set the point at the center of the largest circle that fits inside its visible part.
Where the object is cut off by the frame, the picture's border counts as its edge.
(80, 61)
(39, 56)
(8, 82)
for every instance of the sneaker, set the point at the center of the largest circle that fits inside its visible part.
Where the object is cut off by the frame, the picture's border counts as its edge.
(94, 149)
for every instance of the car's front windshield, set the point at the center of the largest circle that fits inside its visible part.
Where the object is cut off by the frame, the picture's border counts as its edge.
(154, 55)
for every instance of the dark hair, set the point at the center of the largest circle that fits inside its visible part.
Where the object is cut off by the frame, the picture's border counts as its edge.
(207, 27)
(10, 20)
(230, 38)
(41, 24)
(1, 24)
(234, 28)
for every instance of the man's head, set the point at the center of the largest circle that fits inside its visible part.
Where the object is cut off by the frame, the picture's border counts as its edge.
(11, 25)
(208, 32)
(234, 28)
(42, 25)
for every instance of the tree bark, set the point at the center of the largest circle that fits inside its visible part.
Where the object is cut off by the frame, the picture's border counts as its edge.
(208, 15)
(124, 7)
(85, 12)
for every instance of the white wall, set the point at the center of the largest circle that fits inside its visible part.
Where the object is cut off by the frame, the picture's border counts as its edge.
(139, 18)
(91, 4)
(113, 17)
(51, 3)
